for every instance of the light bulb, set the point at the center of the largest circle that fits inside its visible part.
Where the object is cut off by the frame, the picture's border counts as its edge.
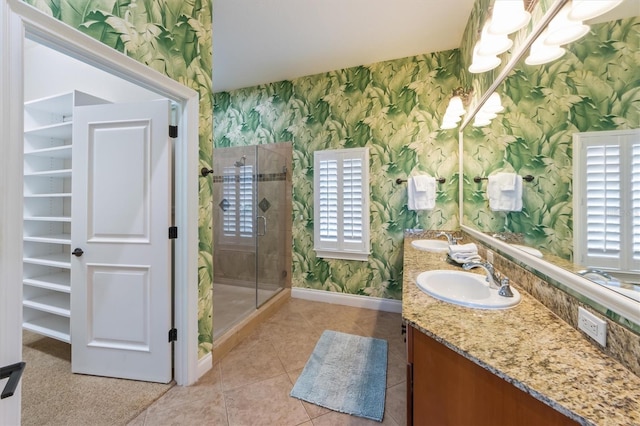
(446, 125)
(582, 10)
(493, 104)
(541, 53)
(482, 63)
(493, 44)
(508, 16)
(481, 121)
(563, 30)
(455, 107)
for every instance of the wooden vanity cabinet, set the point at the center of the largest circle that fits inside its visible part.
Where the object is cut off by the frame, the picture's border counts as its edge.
(444, 388)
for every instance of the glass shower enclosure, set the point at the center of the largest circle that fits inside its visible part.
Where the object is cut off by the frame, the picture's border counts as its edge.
(252, 229)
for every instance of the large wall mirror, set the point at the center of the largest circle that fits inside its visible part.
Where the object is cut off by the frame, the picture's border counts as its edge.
(557, 125)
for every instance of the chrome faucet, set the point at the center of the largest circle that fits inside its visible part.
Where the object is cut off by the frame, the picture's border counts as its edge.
(493, 277)
(606, 277)
(450, 238)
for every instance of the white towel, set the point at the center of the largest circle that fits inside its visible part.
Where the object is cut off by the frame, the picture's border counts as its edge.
(469, 248)
(464, 253)
(421, 192)
(504, 191)
(465, 258)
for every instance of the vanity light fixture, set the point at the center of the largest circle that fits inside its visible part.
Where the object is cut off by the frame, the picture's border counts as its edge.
(455, 109)
(508, 16)
(480, 121)
(582, 10)
(482, 63)
(493, 44)
(493, 104)
(541, 53)
(562, 30)
(488, 111)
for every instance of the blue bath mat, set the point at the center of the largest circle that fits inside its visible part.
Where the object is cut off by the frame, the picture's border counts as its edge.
(346, 373)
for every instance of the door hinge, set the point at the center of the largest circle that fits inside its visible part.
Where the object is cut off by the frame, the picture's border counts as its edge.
(173, 232)
(173, 335)
(173, 131)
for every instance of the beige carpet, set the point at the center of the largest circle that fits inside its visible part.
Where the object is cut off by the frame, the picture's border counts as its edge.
(52, 395)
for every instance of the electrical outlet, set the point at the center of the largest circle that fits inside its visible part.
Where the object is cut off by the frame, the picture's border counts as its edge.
(489, 256)
(593, 326)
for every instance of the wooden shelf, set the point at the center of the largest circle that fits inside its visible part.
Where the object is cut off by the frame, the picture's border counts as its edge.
(53, 131)
(48, 153)
(54, 239)
(57, 281)
(64, 173)
(50, 325)
(49, 218)
(53, 195)
(58, 260)
(62, 152)
(56, 104)
(52, 302)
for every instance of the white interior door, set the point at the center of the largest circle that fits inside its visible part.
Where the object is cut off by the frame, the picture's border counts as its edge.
(121, 212)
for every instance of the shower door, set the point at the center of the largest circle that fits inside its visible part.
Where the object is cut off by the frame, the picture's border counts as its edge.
(272, 219)
(252, 229)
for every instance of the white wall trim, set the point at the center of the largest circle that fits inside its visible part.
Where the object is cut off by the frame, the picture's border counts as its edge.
(61, 37)
(11, 213)
(205, 364)
(355, 300)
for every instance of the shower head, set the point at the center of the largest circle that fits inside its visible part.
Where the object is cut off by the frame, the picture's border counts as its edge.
(242, 162)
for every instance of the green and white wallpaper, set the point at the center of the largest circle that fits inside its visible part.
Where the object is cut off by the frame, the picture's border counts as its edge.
(595, 86)
(174, 38)
(392, 107)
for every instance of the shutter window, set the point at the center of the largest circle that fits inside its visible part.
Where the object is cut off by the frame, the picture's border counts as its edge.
(603, 200)
(341, 198)
(607, 200)
(328, 206)
(635, 201)
(237, 216)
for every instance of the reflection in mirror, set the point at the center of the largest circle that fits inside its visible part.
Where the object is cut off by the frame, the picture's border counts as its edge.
(592, 88)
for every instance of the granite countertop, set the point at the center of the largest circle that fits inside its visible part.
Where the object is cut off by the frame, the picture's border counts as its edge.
(528, 346)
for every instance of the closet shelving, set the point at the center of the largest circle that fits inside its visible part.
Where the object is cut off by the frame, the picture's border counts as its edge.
(48, 152)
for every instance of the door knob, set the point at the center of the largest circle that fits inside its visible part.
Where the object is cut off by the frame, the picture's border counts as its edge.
(77, 252)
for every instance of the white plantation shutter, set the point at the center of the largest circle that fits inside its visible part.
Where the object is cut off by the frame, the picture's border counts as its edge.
(607, 200)
(352, 199)
(238, 215)
(328, 200)
(635, 204)
(603, 204)
(341, 198)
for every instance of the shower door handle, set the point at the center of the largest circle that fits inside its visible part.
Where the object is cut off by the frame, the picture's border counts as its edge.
(264, 226)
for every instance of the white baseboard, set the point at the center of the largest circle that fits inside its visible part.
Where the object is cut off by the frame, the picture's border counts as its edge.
(367, 302)
(205, 364)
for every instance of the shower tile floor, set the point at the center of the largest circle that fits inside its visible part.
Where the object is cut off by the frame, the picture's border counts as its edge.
(232, 303)
(251, 384)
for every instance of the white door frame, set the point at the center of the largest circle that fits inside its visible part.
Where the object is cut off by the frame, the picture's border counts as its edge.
(18, 19)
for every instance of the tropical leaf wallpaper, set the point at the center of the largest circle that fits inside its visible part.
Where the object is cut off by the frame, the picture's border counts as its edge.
(595, 86)
(174, 38)
(392, 107)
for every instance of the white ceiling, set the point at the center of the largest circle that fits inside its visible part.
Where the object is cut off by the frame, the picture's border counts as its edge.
(257, 42)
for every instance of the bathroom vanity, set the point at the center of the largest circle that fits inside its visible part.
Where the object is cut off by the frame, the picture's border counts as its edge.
(522, 365)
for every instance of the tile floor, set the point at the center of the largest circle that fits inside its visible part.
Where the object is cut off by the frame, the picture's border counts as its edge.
(250, 385)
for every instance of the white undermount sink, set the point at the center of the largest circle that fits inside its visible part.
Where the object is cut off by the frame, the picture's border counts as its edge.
(437, 246)
(464, 289)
